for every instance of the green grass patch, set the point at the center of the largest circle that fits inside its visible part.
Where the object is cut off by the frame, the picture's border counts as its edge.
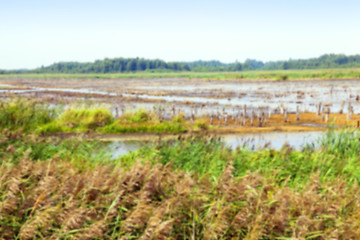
(79, 120)
(141, 121)
(336, 156)
(24, 114)
(339, 73)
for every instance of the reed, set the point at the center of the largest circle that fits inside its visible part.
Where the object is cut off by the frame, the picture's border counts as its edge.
(189, 188)
(170, 197)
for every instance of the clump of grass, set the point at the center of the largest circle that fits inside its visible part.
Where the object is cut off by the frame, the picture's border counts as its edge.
(86, 118)
(18, 113)
(282, 77)
(180, 118)
(79, 120)
(139, 116)
(36, 117)
(201, 124)
(163, 127)
(142, 121)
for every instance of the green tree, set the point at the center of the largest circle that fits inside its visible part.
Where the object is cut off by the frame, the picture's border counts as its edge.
(131, 66)
(237, 66)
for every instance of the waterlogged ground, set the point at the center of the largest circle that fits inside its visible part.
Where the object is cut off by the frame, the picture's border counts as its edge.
(206, 96)
(189, 187)
(200, 98)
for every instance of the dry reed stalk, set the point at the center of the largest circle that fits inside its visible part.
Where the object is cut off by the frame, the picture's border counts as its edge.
(163, 230)
(137, 219)
(217, 220)
(75, 218)
(153, 222)
(40, 223)
(151, 187)
(95, 231)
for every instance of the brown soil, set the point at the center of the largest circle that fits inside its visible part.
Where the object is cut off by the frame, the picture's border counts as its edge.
(307, 122)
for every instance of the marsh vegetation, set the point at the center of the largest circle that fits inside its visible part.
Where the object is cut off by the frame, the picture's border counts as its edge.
(191, 188)
(57, 183)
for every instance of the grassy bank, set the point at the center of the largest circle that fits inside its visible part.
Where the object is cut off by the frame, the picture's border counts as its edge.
(192, 188)
(30, 116)
(278, 75)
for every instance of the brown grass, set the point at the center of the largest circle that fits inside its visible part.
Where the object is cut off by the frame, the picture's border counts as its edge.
(53, 199)
(276, 123)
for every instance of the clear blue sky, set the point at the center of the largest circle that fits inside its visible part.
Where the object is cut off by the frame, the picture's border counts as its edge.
(39, 32)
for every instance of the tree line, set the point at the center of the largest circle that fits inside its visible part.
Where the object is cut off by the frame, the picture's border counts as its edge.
(118, 65)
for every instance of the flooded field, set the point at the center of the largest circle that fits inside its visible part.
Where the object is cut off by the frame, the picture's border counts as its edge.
(205, 96)
(258, 109)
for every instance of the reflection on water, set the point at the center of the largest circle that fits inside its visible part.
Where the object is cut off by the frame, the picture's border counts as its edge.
(120, 148)
(274, 140)
(305, 94)
(66, 90)
(271, 94)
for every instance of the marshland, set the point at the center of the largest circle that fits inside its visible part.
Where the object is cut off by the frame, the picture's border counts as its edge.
(178, 157)
(191, 120)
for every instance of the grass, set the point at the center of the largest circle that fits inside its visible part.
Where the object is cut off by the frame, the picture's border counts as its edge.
(347, 73)
(209, 157)
(142, 121)
(189, 188)
(14, 144)
(100, 120)
(24, 114)
(193, 188)
(82, 119)
(30, 116)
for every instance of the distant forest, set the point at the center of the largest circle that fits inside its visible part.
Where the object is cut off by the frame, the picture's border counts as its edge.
(118, 65)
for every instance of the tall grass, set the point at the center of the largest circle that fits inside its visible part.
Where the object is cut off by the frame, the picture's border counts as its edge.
(82, 153)
(79, 119)
(336, 156)
(142, 121)
(24, 114)
(54, 198)
(191, 188)
(30, 116)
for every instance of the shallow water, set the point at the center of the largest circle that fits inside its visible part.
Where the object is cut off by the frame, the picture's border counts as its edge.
(120, 148)
(270, 94)
(229, 96)
(254, 141)
(275, 140)
(69, 90)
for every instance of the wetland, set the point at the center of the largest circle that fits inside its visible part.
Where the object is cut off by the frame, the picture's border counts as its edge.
(178, 158)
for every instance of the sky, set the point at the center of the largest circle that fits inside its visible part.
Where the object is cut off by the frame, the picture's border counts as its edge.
(38, 32)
